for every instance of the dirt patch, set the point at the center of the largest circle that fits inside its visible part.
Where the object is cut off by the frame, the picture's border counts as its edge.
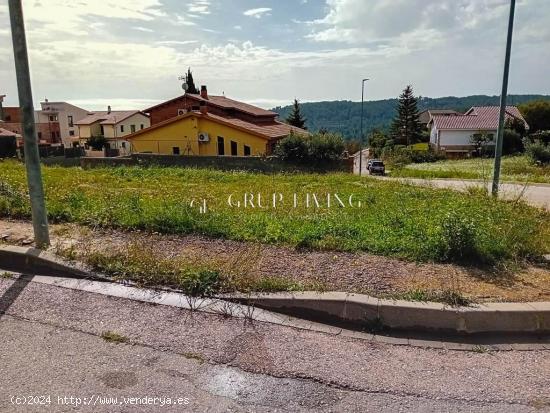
(334, 271)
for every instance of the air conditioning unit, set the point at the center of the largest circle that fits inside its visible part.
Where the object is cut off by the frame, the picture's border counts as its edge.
(182, 112)
(204, 137)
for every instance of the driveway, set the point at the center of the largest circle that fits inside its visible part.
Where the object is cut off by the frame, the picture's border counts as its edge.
(52, 346)
(535, 194)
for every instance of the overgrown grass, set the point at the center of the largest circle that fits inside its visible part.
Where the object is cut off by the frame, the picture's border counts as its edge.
(414, 223)
(112, 337)
(142, 265)
(514, 169)
(448, 296)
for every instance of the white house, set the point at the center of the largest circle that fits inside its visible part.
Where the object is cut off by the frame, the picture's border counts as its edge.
(66, 115)
(114, 125)
(452, 134)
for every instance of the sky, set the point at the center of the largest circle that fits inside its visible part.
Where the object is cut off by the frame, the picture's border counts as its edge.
(130, 53)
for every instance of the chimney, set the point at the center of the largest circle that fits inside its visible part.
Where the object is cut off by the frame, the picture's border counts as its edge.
(109, 110)
(203, 107)
(204, 92)
(1, 108)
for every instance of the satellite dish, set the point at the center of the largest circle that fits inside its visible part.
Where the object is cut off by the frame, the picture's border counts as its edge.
(185, 87)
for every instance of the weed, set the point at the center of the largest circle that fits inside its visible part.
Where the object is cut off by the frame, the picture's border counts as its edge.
(480, 349)
(194, 356)
(394, 220)
(447, 296)
(112, 337)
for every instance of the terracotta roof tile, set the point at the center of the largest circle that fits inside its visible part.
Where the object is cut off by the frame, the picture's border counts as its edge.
(107, 118)
(477, 118)
(8, 133)
(223, 102)
(268, 130)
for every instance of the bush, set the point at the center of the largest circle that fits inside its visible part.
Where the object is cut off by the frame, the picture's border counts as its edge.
(293, 148)
(401, 155)
(459, 238)
(512, 142)
(315, 149)
(538, 152)
(97, 143)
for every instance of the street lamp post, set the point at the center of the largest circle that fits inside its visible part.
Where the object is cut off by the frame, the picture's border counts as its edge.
(32, 156)
(361, 137)
(503, 96)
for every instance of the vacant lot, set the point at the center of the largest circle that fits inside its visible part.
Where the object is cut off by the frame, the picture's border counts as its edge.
(396, 220)
(514, 169)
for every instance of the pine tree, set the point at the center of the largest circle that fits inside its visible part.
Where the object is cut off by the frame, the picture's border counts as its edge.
(296, 118)
(191, 88)
(406, 128)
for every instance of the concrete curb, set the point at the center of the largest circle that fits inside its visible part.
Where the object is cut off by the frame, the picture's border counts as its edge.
(363, 311)
(29, 260)
(353, 310)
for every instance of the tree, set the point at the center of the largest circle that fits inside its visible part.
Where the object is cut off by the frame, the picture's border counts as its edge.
(537, 115)
(296, 118)
(191, 88)
(480, 141)
(97, 143)
(406, 127)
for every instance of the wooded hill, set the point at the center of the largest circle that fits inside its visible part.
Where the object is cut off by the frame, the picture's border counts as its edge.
(345, 116)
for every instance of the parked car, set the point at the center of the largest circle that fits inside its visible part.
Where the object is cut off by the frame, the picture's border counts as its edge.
(376, 166)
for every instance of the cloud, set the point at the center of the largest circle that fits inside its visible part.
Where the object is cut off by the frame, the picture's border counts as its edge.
(359, 21)
(258, 13)
(61, 16)
(143, 29)
(176, 42)
(199, 6)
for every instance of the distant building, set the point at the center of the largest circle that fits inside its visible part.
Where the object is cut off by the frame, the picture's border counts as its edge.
(47, 130)
(114, 125)
(8, 142)
(210, 125)
(452, 135)
(66, 115)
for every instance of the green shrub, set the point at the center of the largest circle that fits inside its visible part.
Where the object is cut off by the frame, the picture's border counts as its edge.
(315, 149)
(459, 238)
(512, 142)
(293, 148)
(538, 152)
(97, 142)
(202, 283)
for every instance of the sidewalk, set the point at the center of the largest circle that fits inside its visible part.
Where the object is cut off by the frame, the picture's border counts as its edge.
(535, 194)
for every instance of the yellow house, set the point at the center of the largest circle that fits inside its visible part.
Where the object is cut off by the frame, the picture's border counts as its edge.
(201, 133)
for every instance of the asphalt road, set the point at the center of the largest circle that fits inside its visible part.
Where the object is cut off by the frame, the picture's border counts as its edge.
(52, 346)
(535, 194)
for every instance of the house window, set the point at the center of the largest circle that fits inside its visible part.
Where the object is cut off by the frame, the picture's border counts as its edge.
(221, 146)
(102, 131)
(71, 133)
(124, 145)
(70, 119)
(122, 128)
(39, 135)
(141, 126)
(246, 150)
(176, 150)
(53, 118)
(132, 128)
(234, 148)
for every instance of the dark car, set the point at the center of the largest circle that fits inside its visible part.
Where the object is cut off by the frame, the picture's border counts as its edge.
(376, 167)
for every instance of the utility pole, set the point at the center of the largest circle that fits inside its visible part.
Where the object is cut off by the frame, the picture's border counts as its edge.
(32, 156)
(361, 137)
(503, 96)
